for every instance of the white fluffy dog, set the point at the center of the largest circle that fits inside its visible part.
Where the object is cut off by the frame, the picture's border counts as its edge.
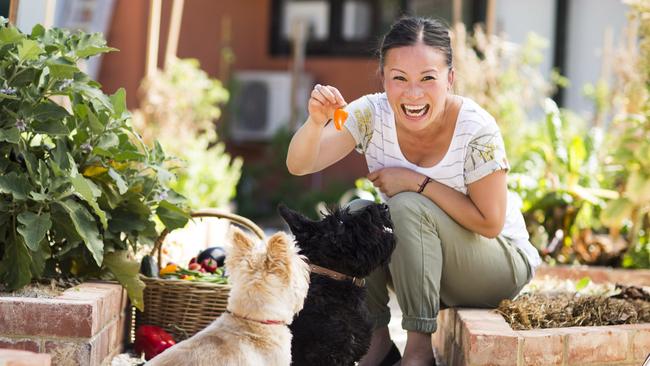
(268, 289)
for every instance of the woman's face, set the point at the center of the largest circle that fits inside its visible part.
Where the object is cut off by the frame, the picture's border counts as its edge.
(417, 81)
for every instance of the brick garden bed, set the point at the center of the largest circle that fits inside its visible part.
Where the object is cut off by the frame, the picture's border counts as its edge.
(83, 326)
(473, 337)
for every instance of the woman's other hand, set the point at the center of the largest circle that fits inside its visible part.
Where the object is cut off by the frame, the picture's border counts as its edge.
(391, 181)
(324, 100)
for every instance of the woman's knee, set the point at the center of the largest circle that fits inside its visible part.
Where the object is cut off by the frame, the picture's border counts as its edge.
(411, 204)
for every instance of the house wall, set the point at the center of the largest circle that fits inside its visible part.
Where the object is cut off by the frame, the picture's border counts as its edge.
(201, 38)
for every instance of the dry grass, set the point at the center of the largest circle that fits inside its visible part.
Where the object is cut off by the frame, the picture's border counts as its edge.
(547, 310)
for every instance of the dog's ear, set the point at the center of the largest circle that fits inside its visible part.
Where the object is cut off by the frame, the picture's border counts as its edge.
(278, 253)
(297, 222)
(241, 244)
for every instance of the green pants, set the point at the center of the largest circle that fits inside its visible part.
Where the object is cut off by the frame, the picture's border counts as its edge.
(438, 261)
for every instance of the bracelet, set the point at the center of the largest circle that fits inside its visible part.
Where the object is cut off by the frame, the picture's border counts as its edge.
(424, 184)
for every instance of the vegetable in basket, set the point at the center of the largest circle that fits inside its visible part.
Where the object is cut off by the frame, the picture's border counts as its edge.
(217, 253)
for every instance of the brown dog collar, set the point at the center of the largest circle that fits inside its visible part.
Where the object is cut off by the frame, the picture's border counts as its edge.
(360, 282)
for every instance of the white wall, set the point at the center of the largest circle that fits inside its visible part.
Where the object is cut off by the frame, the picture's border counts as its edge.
(32, 12)
(86, 15)
(517, 18)
(586, 26)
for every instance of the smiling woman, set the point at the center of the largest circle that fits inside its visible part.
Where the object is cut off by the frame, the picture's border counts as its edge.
(439, 162)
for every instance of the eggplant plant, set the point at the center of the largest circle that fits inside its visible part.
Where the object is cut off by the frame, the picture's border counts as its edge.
(79, 190)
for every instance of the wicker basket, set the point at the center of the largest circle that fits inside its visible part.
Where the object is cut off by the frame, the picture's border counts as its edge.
(182, 307)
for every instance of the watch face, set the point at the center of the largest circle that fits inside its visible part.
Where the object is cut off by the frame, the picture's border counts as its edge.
(647, 361)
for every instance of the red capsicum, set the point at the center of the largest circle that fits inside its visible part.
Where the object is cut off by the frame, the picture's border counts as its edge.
(152, 340)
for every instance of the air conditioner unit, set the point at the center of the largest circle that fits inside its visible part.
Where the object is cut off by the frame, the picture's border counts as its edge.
(262, 103)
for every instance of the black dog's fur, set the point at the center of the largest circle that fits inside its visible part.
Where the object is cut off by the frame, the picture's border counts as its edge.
(333, 327)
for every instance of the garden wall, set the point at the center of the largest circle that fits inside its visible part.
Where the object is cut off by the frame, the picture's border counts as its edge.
(473, 337)
(83, 326)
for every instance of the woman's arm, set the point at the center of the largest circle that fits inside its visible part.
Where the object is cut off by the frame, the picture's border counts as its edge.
(317, 145)
(482, 211)
(314, 147)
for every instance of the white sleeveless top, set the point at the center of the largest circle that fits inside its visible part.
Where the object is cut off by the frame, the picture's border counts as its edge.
(476, 150)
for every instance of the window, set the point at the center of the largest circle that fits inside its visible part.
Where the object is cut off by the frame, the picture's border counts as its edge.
(4, 8)
(332, 27)
(352, 27)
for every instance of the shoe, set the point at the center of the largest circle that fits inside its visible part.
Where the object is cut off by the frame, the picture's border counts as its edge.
(392, 357)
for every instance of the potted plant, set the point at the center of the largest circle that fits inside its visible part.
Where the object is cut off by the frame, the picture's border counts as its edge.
(79, 190)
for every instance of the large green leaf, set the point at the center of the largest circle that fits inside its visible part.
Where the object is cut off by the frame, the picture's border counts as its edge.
(119, 181)
(127, 273)
(39, 258)
(94, 95)
(92, 44)
(96, 125)
(11, 135)
(14, 268)
(38, 31)
(16, 185)
(89, 192)
(62, 157)
(29, 50)
(86, 227)
(9, 35)
(33, 228)
(172, 216)
(119, 102)
(131, 216)
(61, 68)
(49, 111)
(51, 127)
(108, 141)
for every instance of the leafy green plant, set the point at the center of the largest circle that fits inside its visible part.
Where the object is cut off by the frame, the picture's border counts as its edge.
(505, 79)
(179, 108)
(629, 157)
(559, 180)
(79, 190)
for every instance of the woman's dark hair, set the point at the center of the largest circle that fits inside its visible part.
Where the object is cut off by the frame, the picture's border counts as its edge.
(408, 30)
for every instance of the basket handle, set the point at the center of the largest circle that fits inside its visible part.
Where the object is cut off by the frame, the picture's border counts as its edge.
(209, 212)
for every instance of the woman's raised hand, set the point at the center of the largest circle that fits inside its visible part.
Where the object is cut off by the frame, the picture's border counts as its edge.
(324, 100)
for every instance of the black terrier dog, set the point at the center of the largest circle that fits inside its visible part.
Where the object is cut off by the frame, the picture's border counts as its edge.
(333, 328)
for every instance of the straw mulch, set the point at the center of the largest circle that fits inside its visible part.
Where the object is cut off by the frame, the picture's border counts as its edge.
(539, 310)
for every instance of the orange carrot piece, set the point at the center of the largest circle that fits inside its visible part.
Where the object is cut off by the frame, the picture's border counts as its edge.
(340, 116)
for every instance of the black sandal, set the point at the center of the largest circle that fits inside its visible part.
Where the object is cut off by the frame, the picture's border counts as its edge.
(392, 357)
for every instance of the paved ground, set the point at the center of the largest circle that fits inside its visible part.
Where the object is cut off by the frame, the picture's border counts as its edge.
(395, 326)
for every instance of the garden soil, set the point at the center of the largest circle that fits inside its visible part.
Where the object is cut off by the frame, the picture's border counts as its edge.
(45, 288)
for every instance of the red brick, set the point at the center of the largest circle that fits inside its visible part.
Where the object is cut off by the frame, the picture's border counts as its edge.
(595, 344)
(69, 353)
(23, 358)
(117, 334)
(640, 341)
(499, 347)
(635, 277)
(106, 296)
(46, 317)
(542, 347)
(24, 344)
